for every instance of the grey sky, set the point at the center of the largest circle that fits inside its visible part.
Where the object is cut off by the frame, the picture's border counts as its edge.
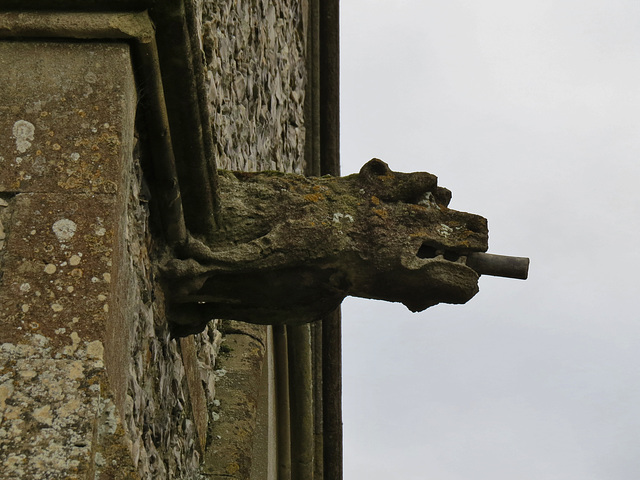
(530, 113)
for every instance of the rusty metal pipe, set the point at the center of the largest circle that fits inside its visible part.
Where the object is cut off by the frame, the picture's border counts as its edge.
(499, 265)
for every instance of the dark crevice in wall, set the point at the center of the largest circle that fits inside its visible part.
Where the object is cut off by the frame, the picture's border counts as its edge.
(6, 211)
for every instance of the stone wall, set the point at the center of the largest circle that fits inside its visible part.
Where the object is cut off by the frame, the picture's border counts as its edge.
(91, 383)
(255, 53)
(65, 148)
(159, 411)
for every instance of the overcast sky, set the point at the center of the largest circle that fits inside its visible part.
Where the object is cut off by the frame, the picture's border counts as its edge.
(529, 111)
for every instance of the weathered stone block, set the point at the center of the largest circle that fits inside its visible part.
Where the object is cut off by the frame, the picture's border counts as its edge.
(61, 116)
(66, 136)
(58, 267)
(233, 425)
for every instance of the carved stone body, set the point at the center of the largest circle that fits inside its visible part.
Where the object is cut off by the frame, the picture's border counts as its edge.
(290, 248)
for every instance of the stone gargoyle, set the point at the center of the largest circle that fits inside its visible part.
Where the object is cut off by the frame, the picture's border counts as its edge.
(290, 248)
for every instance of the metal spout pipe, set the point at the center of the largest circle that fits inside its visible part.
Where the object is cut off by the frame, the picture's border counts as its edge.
(499, 265)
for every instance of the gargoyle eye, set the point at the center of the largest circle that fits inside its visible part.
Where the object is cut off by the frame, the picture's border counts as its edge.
(427, 251)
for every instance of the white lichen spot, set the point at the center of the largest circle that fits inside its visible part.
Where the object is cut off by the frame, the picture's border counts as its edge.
(107, 277)
(43, 415)
(56, 307)
(60, 331)
(25, 307)
(95, 350)
(40, 340)
(100, 231)
(75, 341)
(33, 232)
(445, 230)
(23, 133)
(25, 287)
(428, 200)
(95, 279)
(105, 307)
(70, 289)
(102, 297)
(338, 217)
(99, 460)
(75, 156)
(18, 162)
(74, 260)
(64, 229)
(50, 269)
(91, 77)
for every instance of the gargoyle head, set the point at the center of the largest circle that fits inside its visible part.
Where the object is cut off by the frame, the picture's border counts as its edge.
(411, 247)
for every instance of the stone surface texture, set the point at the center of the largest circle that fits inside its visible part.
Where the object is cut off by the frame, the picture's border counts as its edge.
(256, 73)
(92, 385)
(66, 148)
(160, 413)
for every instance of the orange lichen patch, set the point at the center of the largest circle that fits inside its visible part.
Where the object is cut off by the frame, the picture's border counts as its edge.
(381, 212)
(416, 208)
(375, 200)
(313, 197)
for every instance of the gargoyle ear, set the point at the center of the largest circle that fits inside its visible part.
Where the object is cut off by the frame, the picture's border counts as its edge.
(374, 168)
(443, 196)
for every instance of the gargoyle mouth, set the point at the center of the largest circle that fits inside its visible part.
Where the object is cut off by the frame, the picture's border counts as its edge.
(482, 263)
(444, 275)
